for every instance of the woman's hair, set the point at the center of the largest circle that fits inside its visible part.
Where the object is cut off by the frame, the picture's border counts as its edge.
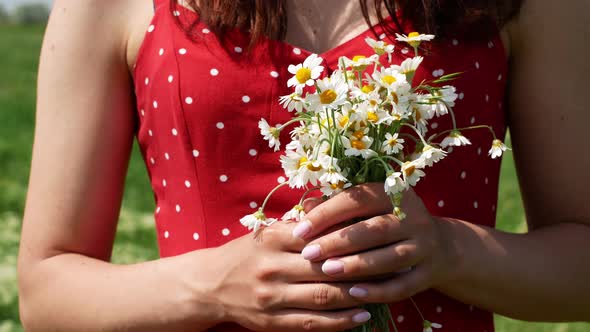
(440, 17)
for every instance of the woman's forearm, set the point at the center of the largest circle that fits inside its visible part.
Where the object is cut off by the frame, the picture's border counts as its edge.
(542, 275)
(71, 292)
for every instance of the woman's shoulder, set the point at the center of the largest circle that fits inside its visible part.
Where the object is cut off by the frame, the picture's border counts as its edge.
(117, 25)
(101, 25)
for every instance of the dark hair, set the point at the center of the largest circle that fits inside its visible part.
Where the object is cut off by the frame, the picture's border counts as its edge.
(269, 18)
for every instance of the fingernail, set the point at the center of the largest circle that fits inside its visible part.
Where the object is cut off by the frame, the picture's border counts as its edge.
(361, 317)
(302, 228)
(333, 267)
(358, 292)
(311, 252)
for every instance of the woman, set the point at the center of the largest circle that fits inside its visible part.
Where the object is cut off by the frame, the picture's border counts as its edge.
(194, 101)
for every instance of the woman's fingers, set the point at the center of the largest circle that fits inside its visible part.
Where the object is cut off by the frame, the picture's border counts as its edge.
(395, 289)
(358, 201)
(382, 261)
(371, 233)
(319, 296)
(310, 203)
(302, 320)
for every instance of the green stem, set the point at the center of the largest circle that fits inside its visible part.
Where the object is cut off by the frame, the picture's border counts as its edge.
(431, 138)
(418, 309)
(307, 193)
(271, 193)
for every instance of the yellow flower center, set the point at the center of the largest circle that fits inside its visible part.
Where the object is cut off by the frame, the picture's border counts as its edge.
(418, 115)
(301, 162)
(388, 79)
(343, 121)
(275, 132)
(303, 74)
(357, 58)
(372, 117)
(392, 142)
(313, 168)
(328, 96)
(338, 185)
(298, 208)
(359, 145)
(373, 102)
(394, 97)
(367, 88)
(356, 65)
(359, 134)
(410, 170)
(414, 43)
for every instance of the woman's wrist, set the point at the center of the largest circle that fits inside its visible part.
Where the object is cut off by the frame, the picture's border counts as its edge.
(456, 248)
(197, 292)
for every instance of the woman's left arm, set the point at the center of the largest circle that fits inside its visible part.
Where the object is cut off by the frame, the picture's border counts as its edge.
(539, 276)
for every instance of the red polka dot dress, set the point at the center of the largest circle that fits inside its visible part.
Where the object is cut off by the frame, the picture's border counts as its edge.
(198, 106)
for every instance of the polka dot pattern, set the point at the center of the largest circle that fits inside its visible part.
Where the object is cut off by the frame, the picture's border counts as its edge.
(199, 107)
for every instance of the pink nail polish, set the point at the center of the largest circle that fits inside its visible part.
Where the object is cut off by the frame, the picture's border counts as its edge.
(333, 267)
(302, 228)
(311, 252)
(361, 317)
(358, 292)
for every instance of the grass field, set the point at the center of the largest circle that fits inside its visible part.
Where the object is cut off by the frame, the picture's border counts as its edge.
(136, 241)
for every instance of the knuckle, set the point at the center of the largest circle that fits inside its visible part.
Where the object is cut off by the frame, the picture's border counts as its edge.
(357, 194)
(264, 298)
(308, 324)
(267, 271)
(272, 234)
(322, 296)
(265, 322)
(402, 252)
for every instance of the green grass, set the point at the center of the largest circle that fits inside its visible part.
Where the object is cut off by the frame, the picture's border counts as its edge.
(136, 239)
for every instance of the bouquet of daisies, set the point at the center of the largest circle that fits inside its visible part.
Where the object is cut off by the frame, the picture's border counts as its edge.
(366, 122)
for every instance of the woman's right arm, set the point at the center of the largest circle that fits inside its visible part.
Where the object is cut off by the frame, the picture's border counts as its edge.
(83, 137)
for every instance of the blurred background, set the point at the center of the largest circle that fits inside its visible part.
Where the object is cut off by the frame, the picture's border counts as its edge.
(22, 24)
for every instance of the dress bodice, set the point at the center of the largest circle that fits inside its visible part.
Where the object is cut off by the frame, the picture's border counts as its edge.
(199, 101)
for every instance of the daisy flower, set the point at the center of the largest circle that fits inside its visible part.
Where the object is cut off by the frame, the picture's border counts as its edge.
(380, 47)
(428, 326)
(305, 73)
(389, 78)
(358, 145)
(331, 93)
(455, 138)
(412, 172)
(332, 189)
(392, 144)
(497, 149)
(359, 62)
(414, 38)
(296, 213)
(333, 173)
(394, 183)
(443, 99)
(292, 102)
(309, 171)
(255, 220)
(409, 66)
(431, 155)
(271, 134)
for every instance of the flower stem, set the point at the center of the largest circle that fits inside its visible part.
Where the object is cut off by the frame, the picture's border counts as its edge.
(271, 193)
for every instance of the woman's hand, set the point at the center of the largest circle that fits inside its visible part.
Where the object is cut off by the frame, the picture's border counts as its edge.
(406, 256)
(261, 282)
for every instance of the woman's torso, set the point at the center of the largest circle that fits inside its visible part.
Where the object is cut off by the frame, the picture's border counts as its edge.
(198, 105)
